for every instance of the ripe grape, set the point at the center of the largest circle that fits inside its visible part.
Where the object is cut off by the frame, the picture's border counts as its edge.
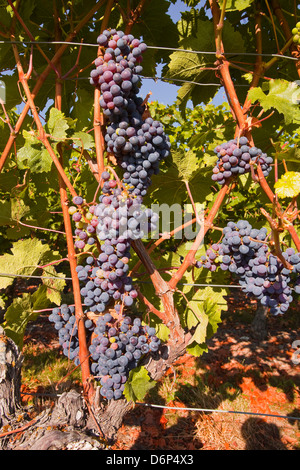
(244, 251)
(138, 144)
(236, 157)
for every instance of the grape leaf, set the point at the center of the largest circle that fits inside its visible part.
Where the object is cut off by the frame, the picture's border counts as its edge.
(233, 5)
(138, 384)
(288, 185)
(54, 287)
(57, 124)
(24, 258)
(202, 313)
(5, 213)
(21, 311)
(281, 95)
(197, 68)
(83, 139)
(187, 164)
(33, 155)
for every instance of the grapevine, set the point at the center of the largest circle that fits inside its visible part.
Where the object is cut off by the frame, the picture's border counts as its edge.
(101, 149)
(117, 342)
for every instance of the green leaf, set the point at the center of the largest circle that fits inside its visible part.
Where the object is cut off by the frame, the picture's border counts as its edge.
(5, 213)
(138, 384)
(187, 164)
(202, 314)
(196, 68)
(21, 311)
(280, 95)
(83, 140)
(54, 287)
(7, 181)
(24, 259)
(233, 5)
(199, 335)
(33, 155)
(287, 153)
(288, 185)
(57, 124)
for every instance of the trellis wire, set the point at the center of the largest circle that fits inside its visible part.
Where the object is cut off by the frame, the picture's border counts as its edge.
(141, 282)
(71, 43)
(167, 80)
(179, 408)
(224, 286)
(207, 410)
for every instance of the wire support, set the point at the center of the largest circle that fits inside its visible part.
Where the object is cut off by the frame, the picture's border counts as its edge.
(174, 49)
(177, 408)
(138, 282)
(206, 410)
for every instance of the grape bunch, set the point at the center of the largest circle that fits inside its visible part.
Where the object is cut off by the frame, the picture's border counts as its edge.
(64, 321)
(244, 252)
(104, 231)
(138, 144)
(119, 220)
(296, 33)
(116, 345)
(236, 157)
(117, 71)
(139, 149)
(116, 348)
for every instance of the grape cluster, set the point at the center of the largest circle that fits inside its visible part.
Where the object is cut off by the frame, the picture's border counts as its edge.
(105, 230)
(236, 157)
(117, 71)
(138, 144)
(139, 149)
(244, 252)
(117, 344)
(118, 220)
(116, 348)
(296, 33)
(64, 321)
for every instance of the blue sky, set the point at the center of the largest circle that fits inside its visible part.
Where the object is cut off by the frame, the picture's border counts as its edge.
(163, 92)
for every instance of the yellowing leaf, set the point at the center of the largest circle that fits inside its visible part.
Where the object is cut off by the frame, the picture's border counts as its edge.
(288, 185)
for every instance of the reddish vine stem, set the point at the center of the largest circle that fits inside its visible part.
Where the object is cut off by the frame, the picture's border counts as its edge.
(189, 259)
(163, 290)
(134, 16)
(41, 80)
(42, 135)
(224, 66)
